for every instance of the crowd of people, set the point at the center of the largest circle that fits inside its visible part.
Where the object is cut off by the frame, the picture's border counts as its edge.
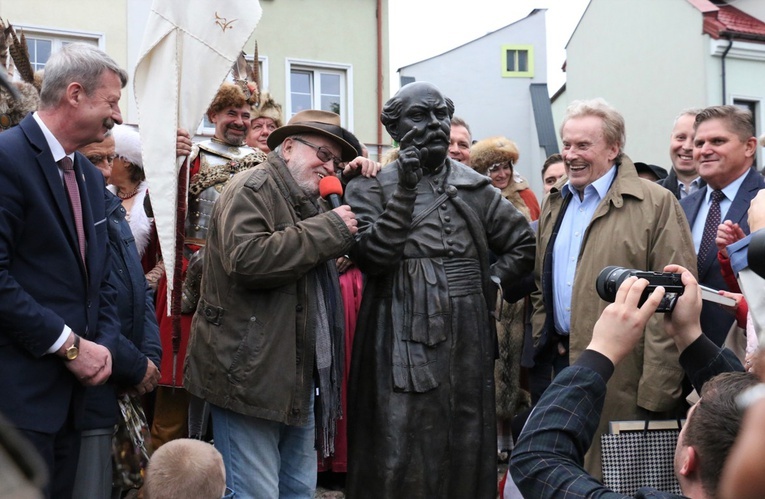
(408, 333)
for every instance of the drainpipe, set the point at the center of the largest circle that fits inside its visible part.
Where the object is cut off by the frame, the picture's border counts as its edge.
(379, 78)
(724, 54)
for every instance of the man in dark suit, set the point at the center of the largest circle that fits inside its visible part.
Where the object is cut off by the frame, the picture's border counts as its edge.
(683, 178)
(723, 149)
(58, 320)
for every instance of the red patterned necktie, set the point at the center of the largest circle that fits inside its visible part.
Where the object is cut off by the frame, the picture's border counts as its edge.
(73, 192)
(710, 227)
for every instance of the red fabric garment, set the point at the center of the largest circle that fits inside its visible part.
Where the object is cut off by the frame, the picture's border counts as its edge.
(531, 202)
(730, 280)
(727, 272)
(166, 323)
(351, 285)
(166, 336)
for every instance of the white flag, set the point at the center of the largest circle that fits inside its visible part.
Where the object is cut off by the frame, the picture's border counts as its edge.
(188, 49)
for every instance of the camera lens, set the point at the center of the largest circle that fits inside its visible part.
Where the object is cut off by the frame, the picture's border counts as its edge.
(609, 280)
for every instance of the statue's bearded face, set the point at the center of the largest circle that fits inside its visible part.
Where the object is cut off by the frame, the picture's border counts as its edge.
(425, 124)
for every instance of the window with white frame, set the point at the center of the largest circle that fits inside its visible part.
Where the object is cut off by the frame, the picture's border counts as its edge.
(322, 87)
(43, 42)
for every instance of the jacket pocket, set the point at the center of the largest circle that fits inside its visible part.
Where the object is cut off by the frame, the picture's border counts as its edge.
(211, 313)
(246, 355)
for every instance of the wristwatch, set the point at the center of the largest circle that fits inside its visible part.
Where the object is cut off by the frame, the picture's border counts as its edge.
(73, 351)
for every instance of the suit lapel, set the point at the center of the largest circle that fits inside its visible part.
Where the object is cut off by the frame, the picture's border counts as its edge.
(737, 212)
(692, 204)
(50, 171)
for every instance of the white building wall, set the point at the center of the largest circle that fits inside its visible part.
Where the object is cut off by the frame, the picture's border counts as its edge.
(649, 60)
(470, 75)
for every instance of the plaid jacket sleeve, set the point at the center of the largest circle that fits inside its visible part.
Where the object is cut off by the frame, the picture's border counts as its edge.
(547, 461)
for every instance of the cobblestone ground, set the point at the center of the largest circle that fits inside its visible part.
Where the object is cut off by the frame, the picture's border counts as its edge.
(322, 493)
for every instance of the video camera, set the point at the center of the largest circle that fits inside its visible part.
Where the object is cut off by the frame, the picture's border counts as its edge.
(610, 278)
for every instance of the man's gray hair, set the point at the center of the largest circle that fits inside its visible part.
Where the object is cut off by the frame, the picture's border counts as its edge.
(691, 111)
(613, 122)
(76, 62)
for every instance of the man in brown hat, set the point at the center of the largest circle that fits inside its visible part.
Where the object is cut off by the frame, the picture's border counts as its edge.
(211, 164)
(267, 339)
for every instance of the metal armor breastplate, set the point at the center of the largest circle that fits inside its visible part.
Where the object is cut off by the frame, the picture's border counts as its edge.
(218, 162)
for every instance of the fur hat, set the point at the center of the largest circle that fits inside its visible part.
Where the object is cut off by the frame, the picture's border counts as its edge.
(491, 151)
(315, 122)
(268, 108)
(229, 95)
(127, 144)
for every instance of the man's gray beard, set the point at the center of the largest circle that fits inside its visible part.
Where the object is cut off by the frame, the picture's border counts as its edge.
(236, 142)
(295, 168)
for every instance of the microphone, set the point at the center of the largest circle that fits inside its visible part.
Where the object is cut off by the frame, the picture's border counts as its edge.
(331, 189)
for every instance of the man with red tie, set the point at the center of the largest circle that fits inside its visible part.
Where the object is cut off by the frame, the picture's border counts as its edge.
(58, 320)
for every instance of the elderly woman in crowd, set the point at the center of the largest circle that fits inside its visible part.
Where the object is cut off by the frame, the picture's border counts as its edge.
(128, 182)
(496, 157)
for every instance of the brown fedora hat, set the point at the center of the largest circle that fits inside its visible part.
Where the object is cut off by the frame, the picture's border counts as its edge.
(315, 122)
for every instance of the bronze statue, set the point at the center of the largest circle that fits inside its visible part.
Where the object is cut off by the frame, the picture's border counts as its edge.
(421, 419)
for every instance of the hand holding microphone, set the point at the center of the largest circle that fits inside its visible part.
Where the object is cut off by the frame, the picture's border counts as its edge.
(331, 189)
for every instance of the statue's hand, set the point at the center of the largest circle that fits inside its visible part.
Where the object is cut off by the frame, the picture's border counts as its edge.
(409, 162)
(410, 171)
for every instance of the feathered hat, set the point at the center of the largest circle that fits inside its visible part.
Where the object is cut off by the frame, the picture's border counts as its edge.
(13, 110)
(246, 77)
(268, 108)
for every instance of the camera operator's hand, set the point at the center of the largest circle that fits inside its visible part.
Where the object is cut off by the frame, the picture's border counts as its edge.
(622, 323)
(683, 325)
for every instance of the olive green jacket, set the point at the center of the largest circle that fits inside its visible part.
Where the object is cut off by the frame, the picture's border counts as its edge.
(250, 349)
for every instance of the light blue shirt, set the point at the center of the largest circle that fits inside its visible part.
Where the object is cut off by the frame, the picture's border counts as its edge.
(730, 192)
(568, 244)
(693, 186)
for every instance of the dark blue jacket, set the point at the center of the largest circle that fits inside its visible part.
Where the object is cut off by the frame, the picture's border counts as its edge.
(135, 307)
(43, 282)
(716, 321)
